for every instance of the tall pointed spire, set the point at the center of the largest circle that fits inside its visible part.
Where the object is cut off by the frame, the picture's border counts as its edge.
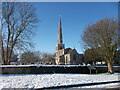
(60, 32)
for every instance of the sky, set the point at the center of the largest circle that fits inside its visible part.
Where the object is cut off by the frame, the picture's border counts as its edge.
(75, 17)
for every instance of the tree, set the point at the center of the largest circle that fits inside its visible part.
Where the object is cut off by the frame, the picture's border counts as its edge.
(117, 57)
(48, 58)
(30, 57)
(0, 48)
(18, 21)
(36, 57)
(1, 35)
(91, 56)
(103, 35)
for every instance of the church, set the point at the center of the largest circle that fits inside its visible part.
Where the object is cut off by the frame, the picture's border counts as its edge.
(66, 55)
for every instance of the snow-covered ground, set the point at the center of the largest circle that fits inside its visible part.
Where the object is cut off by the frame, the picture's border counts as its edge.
(40, 65)
(48, 65)
(46, 80)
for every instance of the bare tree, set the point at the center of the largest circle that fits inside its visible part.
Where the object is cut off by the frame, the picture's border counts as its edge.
(117, 57)
(36, 57)
(103, 35)
(0, 34)
(18, 21)
(48, 58)
(30, 57)
(0, 47)
(91, 56)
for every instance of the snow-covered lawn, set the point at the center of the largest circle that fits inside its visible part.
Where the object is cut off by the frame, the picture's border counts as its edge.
(47, 65)
(46, 80)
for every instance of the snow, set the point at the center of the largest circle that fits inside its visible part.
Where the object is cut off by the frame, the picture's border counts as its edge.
(41, 65)
(47, 80)
(48, 65)
(111, 85)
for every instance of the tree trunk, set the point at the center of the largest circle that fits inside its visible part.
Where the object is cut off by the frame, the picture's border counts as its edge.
(9, 56)
(110, 68)
(1, 49)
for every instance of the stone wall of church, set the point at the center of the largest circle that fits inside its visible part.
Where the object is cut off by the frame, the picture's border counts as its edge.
(60, 56)
(75, 58)
(70, 58)
(67, 58)
(61, 52)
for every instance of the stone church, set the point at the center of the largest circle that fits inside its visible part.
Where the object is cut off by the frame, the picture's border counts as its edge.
(66, 55)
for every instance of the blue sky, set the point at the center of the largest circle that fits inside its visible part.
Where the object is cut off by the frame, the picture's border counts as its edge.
(75, 17)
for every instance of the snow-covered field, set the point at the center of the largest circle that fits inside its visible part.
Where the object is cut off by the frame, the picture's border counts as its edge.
(40, 65)
(46, 80)
(47, 65)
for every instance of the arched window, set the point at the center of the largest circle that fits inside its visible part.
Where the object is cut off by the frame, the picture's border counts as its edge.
(74, 57)
(60, 47)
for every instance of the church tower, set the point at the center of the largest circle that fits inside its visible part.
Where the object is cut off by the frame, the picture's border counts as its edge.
(65, 55)
(59, 46)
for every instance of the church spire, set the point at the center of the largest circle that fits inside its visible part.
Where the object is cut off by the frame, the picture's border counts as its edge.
(60, 32)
